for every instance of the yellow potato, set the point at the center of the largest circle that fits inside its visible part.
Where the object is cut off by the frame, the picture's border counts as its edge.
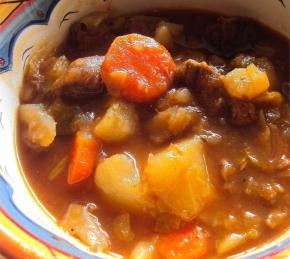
(118, 178)
(171, 122)
(118, 123)
(144, 250)
(246, 83)
(269, 99)
(178, 178)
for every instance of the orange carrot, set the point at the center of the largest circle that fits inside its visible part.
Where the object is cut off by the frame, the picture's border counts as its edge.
(137, 68)
(190, 242)
(83, 158)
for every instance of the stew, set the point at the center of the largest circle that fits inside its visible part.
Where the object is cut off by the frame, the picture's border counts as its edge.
(161, 135)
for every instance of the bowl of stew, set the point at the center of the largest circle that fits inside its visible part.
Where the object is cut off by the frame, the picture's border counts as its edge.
(145, 129)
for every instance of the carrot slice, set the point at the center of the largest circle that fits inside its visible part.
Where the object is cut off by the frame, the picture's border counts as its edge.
(190, 242)
(83, 158)
(137, 68)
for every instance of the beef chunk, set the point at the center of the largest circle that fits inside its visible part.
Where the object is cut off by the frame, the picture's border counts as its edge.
(230, 35)
(205, 81)
(198, 74)
(49, 78)
(208, 85)
(242, 113)
(82, 79)
(241, 61)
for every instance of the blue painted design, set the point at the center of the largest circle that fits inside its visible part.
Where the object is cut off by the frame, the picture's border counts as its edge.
(37, 12)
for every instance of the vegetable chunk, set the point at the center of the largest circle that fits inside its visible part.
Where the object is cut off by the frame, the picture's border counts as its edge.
(137, 68)
(144, 250)
(118, 178)
(85, 151)
(230, 242)
(81, 79)
(179, 96)
(122, 228)
(246, 83)
(118, 123)
(190, 242)
(178, 178)
(165, 31)
(79, 222)
(41, 127)
(170, 123)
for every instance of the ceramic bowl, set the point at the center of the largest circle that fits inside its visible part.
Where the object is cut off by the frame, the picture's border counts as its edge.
(26, 229)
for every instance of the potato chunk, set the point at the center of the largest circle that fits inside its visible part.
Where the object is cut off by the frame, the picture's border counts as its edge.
(41, 127)
(230, 242)
(118, 178)
(118, 123)
(246, 83)
(178, 178)
(273, 99)
(144, 250)
(170, 123)
(179, 96)
(166, 31)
